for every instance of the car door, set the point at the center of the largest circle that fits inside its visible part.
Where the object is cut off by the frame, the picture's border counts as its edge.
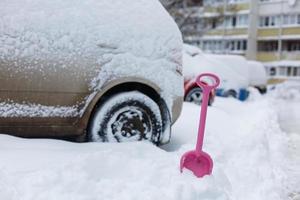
(40, 92)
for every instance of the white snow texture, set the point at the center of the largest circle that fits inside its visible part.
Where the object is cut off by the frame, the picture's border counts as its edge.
(244, 139)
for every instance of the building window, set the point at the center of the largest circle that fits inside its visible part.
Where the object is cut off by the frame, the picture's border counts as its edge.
(291, 45)
(236, 45)
(291, 19)
(194, 3)
(214, 23)
(285, 19)
(242, 20)
(269, 21)
(266, 21)
(233, 21)
(218, 46)
(272, 71)
(289, 71)
(282, 71)
(275, 20)
(236, 21)
(295, 71)
(268, 46)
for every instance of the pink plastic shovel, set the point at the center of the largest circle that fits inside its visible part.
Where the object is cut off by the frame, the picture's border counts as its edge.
(199, 162)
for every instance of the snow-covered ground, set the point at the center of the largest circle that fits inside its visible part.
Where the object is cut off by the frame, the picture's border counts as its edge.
(287, 103)
(253, 159)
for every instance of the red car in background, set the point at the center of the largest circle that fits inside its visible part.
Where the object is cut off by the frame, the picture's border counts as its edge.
(193, 93)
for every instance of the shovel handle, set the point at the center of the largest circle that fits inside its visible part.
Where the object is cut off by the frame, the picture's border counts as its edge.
(206, 85)
(206, 88)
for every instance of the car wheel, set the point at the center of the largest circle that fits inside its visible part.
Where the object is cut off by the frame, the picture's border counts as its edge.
(124, 117)
(230, 93)
(194, 96)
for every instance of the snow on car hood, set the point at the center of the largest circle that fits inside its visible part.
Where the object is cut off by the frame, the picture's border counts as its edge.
(124, 37)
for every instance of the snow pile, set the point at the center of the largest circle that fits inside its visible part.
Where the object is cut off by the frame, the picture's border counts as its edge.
(244, 140)
(246, 144)
(95, 41)
(58, 170)
(293, 167)
(289, 90)
(287, 102)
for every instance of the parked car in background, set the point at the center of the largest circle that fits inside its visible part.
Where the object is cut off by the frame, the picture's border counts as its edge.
(88, 69)
(233, 83)
(258, 76)
(193, 93)
(241, 68)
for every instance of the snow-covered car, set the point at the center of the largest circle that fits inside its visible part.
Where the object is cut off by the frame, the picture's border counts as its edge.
(101, 70)
(193, 93)
(258, 76)
(232, 83)
(240, 66)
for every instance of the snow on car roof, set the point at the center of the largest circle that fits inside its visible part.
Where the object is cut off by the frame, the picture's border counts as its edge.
(202, 62)
(38, 27)
(237, 63)
(257, 72)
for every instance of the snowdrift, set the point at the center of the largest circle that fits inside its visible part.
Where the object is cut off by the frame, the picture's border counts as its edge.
(248, 161)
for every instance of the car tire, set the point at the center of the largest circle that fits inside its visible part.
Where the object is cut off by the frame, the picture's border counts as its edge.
(230, 93)
(195, 96)
(125, 117)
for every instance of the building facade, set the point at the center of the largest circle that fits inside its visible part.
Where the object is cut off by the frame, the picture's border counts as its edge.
(262, 30)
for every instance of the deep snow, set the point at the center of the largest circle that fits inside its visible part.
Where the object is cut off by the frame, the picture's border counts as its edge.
(250, 153)
(287, 102)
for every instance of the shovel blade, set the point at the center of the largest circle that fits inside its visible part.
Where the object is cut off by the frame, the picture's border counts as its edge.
(200, 164)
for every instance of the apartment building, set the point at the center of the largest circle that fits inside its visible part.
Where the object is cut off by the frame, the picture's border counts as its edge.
(263, 30)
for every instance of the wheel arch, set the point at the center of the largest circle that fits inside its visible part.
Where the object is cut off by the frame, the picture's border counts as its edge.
(188, 87)
(114, 87)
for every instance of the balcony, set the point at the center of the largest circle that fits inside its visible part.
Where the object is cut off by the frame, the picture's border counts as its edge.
(268, 32)
(267, 56)
(290, 55)
(230, 7)
(291, 31)
(227, 32)
(275, 32)
(236, 31)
